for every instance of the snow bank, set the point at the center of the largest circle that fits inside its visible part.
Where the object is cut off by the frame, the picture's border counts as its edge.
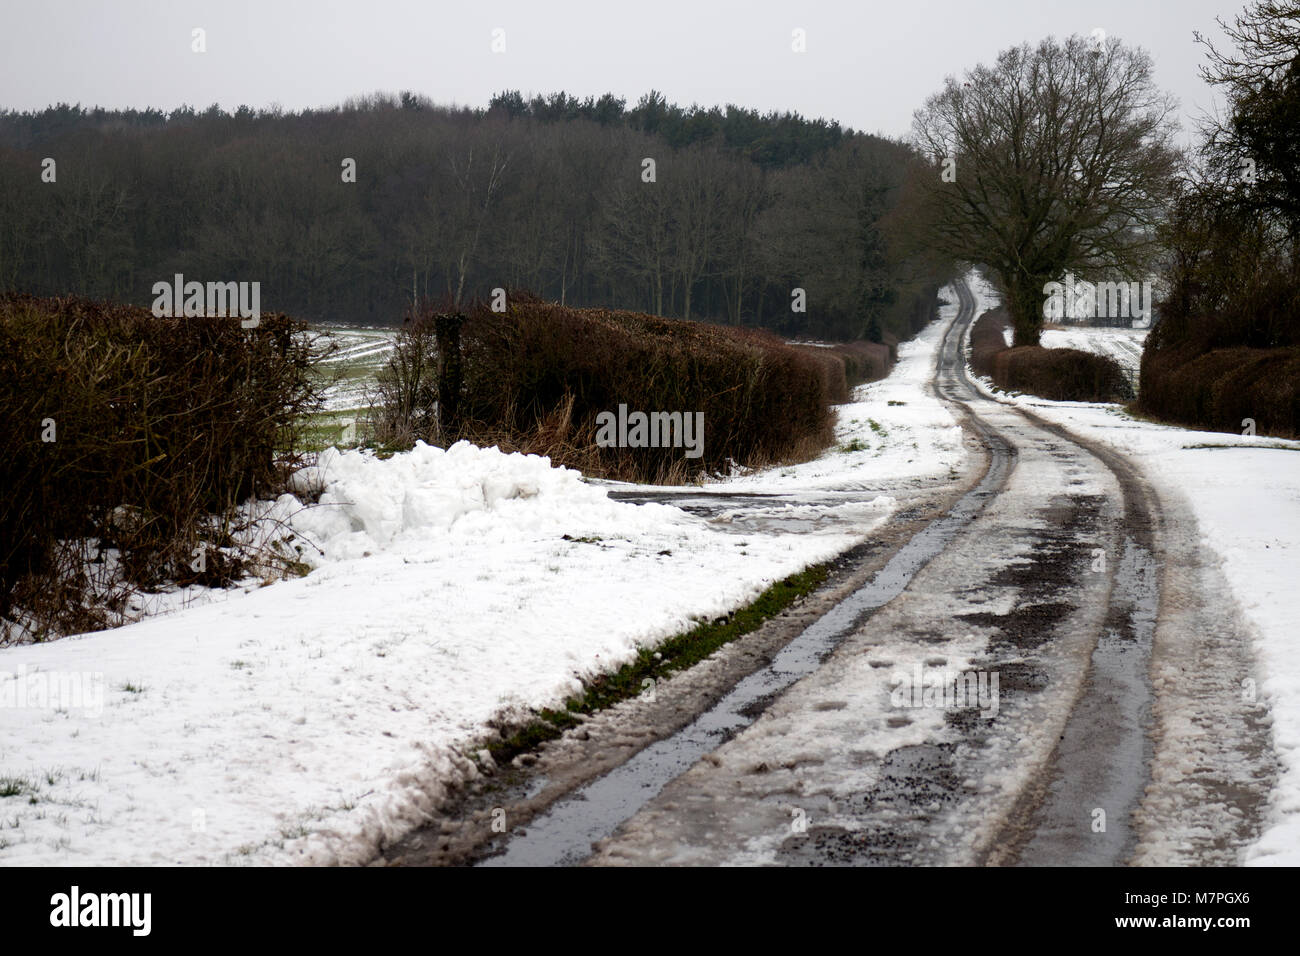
(409, 500)
(309, 720)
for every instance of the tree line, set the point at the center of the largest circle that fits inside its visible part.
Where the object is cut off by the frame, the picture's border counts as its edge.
(351, 213)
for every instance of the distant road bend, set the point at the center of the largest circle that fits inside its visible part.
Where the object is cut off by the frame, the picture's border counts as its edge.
(1052, 576)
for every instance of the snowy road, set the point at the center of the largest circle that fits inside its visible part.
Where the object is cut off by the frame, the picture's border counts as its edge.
(982, 694)
(984, 676)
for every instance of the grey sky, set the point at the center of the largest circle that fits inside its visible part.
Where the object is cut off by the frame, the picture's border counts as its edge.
(868, 64)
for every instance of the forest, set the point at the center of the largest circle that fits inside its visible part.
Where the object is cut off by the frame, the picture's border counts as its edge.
(350, 214)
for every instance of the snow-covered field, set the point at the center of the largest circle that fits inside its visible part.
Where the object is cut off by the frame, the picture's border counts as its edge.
(1245, 494)
(1123, 345)
(307, 720)
(361, 353)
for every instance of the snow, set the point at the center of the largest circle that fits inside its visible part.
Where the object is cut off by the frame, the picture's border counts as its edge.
(312, 719)
(1123, 345)
(914, 436)
(360, 353)
(894, 431)
(1245, 494)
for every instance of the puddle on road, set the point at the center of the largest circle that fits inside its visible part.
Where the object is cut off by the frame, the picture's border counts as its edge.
(760, 514)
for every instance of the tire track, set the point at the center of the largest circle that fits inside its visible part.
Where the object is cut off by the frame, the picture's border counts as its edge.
(803, 732)
(1076, 654)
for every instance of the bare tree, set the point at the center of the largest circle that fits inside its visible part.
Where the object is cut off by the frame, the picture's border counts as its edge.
(697, 186)
(747, 197)
(91, 226)
(1059, 157)
(477, 174)
(1253, 151)
(637, 239)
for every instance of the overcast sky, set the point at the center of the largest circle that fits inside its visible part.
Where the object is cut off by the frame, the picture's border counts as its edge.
(868, 63)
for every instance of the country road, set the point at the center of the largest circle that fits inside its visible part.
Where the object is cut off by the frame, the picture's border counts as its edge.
(866, 438)
(974, 687)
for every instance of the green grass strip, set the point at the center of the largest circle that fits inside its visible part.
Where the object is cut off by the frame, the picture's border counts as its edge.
(676, 653)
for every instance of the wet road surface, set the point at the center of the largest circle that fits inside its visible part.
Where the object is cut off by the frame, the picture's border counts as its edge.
(835, 740)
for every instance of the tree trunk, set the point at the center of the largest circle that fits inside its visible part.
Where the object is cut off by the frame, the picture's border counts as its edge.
(1025, 303)
(447, 333)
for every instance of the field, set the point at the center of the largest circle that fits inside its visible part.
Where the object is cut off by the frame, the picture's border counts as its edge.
(351, 372)
(1123, 345)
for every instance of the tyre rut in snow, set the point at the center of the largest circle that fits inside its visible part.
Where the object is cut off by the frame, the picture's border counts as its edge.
(1069, 641)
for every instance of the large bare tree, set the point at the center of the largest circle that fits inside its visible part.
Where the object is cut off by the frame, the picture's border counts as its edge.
(1058, 157)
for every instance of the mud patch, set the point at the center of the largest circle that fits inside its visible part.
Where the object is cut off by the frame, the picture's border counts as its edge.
(1063, 550)
(915, 784)
(1028, 627)
(1060, 556)
(1015, 676)
(837, 846)
(968, 720)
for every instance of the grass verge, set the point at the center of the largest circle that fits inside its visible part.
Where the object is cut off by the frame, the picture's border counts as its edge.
(675, 654)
